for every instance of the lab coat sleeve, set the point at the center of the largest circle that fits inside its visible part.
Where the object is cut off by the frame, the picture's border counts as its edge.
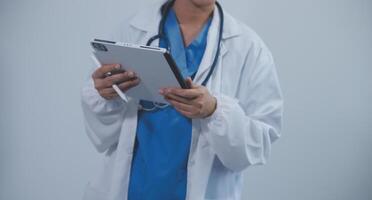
(103, 118)
(242, 128)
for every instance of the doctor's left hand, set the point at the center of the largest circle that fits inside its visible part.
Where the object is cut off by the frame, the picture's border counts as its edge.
(195, 102)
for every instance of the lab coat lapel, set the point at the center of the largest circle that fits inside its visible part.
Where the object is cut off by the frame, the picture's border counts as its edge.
(148, 22)
(230, 30)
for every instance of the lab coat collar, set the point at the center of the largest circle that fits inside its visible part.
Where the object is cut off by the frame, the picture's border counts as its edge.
(145, 21)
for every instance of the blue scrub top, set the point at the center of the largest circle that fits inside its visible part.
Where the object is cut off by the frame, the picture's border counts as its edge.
(163, 137)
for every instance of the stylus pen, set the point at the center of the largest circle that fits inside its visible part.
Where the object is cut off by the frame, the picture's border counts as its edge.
(120, 93)
(114, 86)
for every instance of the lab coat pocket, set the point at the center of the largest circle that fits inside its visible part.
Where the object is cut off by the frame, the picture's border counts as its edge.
(94, 193)
(223, 184)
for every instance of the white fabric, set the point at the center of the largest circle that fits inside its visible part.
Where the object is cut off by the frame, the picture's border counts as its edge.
(237, 135)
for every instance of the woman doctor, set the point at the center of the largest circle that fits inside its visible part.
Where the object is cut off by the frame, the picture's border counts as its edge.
(196, 147)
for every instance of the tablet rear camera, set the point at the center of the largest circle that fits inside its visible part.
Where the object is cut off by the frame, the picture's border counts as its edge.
(99, 47)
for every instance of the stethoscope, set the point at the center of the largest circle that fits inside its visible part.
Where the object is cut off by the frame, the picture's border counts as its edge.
(161, 35)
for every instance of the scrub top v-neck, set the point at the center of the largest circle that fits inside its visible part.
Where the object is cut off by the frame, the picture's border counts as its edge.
(163, 136)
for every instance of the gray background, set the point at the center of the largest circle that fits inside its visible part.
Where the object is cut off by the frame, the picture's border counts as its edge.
(323, 49)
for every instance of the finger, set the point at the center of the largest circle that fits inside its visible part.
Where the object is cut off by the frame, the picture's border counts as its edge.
(184, 113)
(110, 97)
(119, 78)
(186, 93)
(101, 71)
(190, 112)
(129, 84)
(180, 105)
(108, 94)
(99, 84)
(190, 83)
(177, 98)
(107, 91)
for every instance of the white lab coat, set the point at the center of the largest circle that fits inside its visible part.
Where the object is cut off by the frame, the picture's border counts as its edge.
(237, 135)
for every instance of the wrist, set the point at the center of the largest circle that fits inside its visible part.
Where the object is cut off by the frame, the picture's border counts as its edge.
(213, 107)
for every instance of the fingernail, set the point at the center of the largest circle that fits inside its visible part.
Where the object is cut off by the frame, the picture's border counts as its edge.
(117, 66)
(130, 74)
(161, 91)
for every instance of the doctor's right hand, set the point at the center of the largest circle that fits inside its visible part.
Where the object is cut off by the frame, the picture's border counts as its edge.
(103, 81)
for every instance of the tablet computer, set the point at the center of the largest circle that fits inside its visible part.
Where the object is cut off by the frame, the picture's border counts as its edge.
(153, 65)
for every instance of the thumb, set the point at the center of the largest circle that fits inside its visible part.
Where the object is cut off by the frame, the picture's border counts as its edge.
(190, 83)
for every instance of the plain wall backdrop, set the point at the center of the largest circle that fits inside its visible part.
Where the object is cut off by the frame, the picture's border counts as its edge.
(323, 51)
